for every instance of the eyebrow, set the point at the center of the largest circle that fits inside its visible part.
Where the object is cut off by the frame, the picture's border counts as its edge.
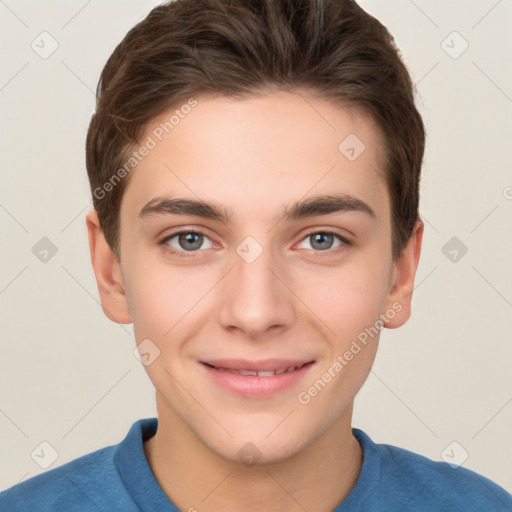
(310, 207)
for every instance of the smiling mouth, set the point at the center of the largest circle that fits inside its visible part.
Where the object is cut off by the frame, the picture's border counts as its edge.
(259, 373)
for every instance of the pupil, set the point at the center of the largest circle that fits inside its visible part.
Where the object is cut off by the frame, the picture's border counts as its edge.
(322, 237)
(189, 238)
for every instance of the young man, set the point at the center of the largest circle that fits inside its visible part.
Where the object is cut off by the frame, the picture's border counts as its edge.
(255, 170)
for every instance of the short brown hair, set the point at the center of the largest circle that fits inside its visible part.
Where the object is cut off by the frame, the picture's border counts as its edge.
(185, 48)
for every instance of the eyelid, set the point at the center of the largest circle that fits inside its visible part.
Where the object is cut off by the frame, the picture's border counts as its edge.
(309, 232)
(163, 242)
(181, 231)
(346, 240)
(180, 253)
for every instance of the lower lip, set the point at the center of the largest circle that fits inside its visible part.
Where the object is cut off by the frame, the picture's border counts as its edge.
(257, 387)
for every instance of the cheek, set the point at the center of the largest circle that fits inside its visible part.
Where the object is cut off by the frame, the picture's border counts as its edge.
(162, 297)
(350, 305)
(347, 298)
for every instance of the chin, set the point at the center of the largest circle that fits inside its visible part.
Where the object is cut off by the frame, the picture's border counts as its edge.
(257, 444)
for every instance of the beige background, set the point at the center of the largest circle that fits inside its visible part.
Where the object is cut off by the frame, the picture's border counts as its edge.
(68, 376)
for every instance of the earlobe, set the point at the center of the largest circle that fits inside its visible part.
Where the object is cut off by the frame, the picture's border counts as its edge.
(398, 305)
(108, 273)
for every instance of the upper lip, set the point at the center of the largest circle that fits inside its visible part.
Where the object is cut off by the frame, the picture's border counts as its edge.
(263, 365)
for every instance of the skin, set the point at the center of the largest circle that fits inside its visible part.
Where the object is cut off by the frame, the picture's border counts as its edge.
(255, 156)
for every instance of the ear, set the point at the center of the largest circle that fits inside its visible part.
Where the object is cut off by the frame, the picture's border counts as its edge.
(404, 270)
(108, 273)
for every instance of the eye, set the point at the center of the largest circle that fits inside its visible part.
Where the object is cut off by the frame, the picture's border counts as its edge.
(323, 240)
(187, 241)
(181, 242)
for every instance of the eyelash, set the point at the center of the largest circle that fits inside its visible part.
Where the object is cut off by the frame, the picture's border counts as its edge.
(183, 254)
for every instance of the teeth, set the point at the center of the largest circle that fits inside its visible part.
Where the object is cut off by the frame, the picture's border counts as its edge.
(261, 373)
(245, 372)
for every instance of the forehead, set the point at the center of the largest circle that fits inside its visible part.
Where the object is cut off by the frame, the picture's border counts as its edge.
(255, 154)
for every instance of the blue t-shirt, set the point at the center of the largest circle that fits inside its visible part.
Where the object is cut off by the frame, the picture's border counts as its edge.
(119, 478)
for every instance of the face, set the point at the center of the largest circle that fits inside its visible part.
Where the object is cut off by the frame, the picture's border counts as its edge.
(241, 285)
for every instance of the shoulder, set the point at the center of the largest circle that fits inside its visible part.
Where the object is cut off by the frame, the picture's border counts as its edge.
(441, 484)
(95, 481)
(87, 483)
(419, 483)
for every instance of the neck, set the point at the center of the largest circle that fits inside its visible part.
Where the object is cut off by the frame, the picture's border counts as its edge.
(193, 476)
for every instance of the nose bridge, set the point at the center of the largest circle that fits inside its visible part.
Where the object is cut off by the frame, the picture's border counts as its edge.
(254, 298)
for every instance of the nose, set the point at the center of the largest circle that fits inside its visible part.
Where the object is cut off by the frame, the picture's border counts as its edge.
(254, 297)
